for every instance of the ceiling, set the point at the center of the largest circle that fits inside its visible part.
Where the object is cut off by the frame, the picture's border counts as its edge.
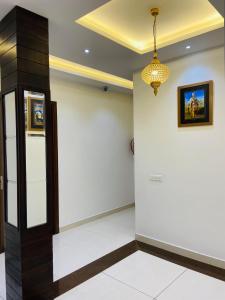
(129, 22)
(69, 39)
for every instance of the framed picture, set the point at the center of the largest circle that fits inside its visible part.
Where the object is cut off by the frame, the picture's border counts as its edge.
(35, 114)
(195, 104)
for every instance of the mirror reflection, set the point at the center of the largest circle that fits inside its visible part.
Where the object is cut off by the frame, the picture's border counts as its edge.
(11, 157)
(34, 104)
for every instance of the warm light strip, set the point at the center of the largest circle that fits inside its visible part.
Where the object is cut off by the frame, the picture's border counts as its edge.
(87, 72)
(110, 34)
(189, 32)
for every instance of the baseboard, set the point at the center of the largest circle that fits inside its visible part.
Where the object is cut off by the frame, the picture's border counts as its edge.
(96, 217)
(181, 251)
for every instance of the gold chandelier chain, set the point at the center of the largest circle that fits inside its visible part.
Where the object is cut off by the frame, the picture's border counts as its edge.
(154, 35)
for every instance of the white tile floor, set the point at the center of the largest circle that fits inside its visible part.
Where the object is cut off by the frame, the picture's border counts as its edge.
(142, 277)
(138, 277)
(77, 247)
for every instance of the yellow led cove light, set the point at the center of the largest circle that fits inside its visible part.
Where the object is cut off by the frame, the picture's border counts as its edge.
(87, 72)
(125, 22)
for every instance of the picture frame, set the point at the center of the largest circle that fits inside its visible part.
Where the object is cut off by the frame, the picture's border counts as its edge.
(35, 114)
(195, 104)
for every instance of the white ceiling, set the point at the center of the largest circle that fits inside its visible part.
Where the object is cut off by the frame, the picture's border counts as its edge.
(129, 22)
(68, 40)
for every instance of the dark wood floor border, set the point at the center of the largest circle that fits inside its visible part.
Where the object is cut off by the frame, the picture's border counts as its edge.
(74, 279)
(78, 277)
(186, 262)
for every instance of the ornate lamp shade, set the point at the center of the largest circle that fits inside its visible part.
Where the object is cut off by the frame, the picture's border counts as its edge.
(155, 74)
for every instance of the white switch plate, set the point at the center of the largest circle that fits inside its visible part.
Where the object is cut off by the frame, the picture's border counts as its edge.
(156, 177)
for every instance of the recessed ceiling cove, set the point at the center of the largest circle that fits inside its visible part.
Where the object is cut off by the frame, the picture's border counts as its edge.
(129, 23)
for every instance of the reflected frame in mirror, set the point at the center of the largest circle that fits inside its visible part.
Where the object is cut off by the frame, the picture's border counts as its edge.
(36, 161)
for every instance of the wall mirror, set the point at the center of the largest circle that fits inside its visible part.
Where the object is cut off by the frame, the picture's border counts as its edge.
(35, 140)
(11, 158)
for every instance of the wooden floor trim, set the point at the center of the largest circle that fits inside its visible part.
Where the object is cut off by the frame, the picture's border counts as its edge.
(186, 262)
(78, 277)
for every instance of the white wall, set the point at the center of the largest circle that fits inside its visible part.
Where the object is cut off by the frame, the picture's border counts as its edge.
(95, 164)
(187, 209)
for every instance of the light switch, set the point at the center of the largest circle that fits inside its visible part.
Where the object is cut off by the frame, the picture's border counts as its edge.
(156, 177)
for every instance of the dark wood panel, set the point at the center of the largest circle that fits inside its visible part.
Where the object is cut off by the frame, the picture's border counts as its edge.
(33, 30)
(12, 233)
(24, 53)
(8, 56)
(30, 42)
(26, 16)
(38, 276)
(12, 294)
(14, 284)
(32, 80)
(14, 261)
(9, 68)
(37, 246)
(9, 82)
(55, 198)
(32, 55)
(13, 248)
(8, 32)
(34, 68)
(25, 66)
(8, 44)
(36, 254)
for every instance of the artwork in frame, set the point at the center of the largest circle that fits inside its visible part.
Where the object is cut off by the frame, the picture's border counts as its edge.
(35, 112)
(195, 104)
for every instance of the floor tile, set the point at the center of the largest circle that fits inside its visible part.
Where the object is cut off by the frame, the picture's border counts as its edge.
(80, 250)
(194, 286)
(82, 245)
(145, 272)
(102, 287)
(79, 246)
(120, 226)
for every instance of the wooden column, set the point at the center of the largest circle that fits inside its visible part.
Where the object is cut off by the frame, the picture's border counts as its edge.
(24, 59)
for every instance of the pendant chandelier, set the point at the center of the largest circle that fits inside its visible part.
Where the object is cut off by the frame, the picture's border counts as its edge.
(155, 73)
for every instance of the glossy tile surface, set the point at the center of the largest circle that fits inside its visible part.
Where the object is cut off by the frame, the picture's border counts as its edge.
(78, 247)
(145, 273)
(102, 287)
(141, 275)
(194, 286)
